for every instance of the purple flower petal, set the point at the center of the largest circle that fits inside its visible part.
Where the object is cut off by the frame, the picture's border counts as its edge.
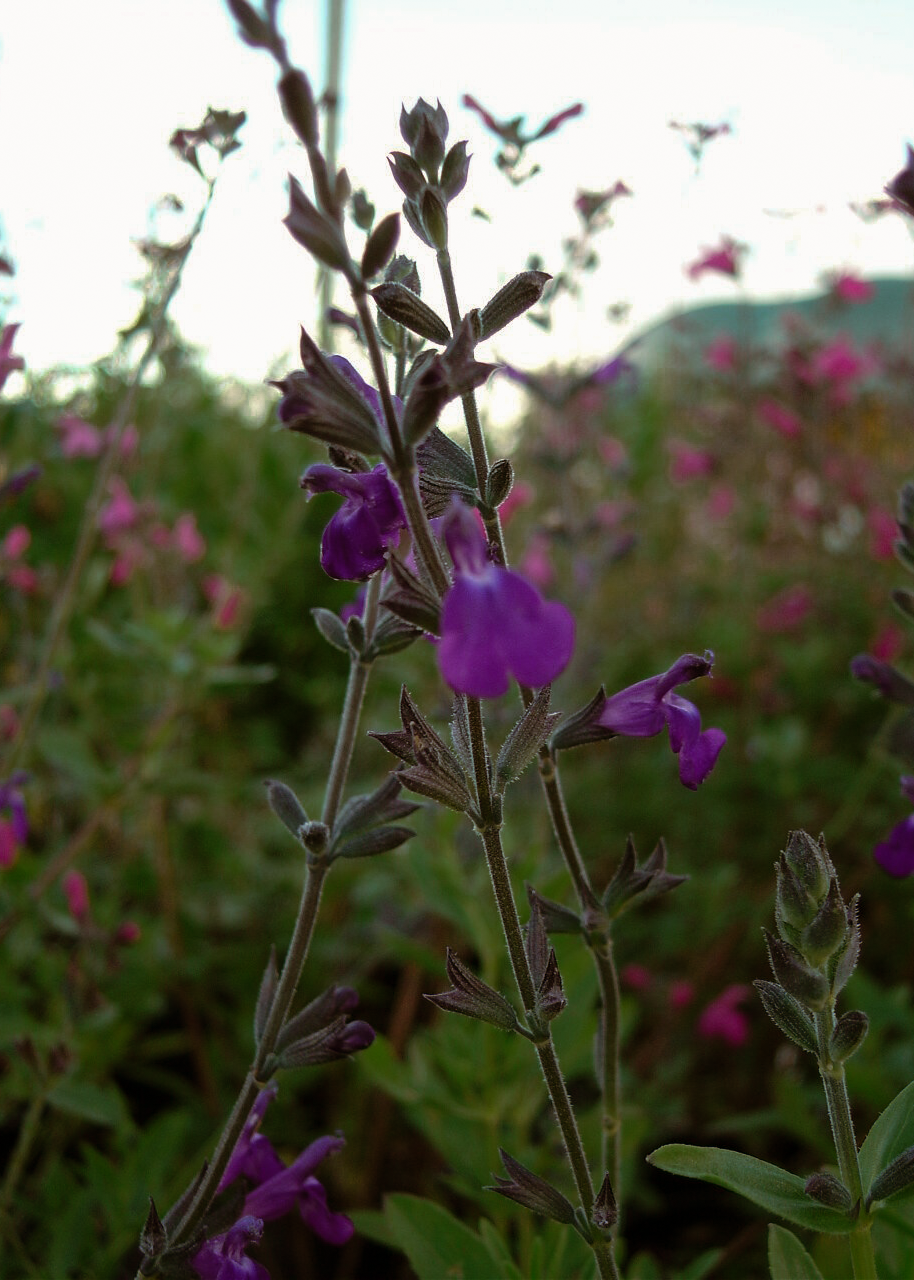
(697, 761)
(495, 625)
(357, 537)
(280, 1192)
(335, 1228)
(223, 1258)
(635, 712)
(896, 855)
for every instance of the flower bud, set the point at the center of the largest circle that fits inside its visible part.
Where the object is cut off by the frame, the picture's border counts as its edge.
(286, 805)
(454, 171)
(823, 935)
(848, 1035)
(895, 1177)
(795, 975)
(811, 863)
(826, 1189)
(794, 906)
(433, 212)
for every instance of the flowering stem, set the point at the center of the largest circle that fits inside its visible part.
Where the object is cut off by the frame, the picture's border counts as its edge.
(607, 977)
(842, 1126)
(475, 432)
(66, 598)
(404, 464)
(331, 100)
(300, 942)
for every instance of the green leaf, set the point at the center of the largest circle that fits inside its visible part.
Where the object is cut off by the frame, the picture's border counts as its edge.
(764, 1184)
(438, 1245)
(892, 1134)
(787, 1259)
(100, 1105)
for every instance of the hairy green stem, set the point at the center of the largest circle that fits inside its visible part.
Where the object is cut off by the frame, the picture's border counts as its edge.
(604, 963)
(85, 539)
(842, 1126)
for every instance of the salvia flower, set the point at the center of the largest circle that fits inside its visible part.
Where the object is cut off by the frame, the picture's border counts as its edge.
(276, 1190)
(357, 538)
(645, 709)
(725, 259)
(494, 624)
(723, 1020)
(896, 854)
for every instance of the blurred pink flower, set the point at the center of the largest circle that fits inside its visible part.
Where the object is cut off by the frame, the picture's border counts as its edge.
(535, 563)
(883, 531)
(225, 598)
(23, 578)
(9, 844)
(16, 542)
(612, 452)
(777, 415)
(688, 463)
(785, 611)
(520, 495)
(637, 977)
(726, 260)
(721, 502)
(9, 722)
(721, 354)
(721, 1020)
(188, 539)
(78, 439)
(839, 362)
(127, 933)
(160, 536)
(130, 440)
(888, 643)
(130, 555)
(850, 288)
(76, 891)
(680, 994)
(121, 512)
(8, 362)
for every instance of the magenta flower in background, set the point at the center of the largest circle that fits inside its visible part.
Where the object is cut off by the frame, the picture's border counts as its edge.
(79, 439)
(121, 512)
(535, 563)
(688, 463)
(722, 1020)
(494, 623)
(721, 354)
(777, 415)
(189, 540)
(637, 977)
(785, 611)
(883, 528)
(681, 994)
(8, 362)
(725, 259)
(358, 536)
(76, 892)
(841, 363)
(848, 287)
(645, 709)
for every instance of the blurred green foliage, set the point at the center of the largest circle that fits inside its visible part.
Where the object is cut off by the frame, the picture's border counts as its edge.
(119, 1061)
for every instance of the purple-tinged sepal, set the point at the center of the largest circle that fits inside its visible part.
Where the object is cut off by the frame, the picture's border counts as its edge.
(848, 1035)
(473, 998)
(826, 1189)
(890, 683)
(896, 1176)
(533, 1192)
(788, 1015)
(605, 1212)
(524, 741)
(316, 231)
(632, 882)
(399, 303)
(511, 301)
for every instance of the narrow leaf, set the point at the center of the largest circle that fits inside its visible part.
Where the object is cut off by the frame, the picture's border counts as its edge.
(764, 1184)
(787, 1259)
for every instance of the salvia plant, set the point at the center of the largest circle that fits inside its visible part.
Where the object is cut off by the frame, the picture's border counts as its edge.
(418, 526)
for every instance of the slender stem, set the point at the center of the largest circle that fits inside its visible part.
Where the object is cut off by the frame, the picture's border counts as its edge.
(404, 462)
(331, 98)
(507, 911)
(300, 942)
(85, 540)
(842, 1126)
(352, 708)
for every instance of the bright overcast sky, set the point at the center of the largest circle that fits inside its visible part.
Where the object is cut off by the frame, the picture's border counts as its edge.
(818, 95)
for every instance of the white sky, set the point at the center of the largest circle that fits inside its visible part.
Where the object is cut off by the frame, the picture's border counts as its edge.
(819, 95)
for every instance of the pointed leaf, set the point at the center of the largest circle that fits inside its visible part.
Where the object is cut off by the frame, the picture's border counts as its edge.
(436, 1243)
(787, 1259)
(764, 1184)
(889, 1137)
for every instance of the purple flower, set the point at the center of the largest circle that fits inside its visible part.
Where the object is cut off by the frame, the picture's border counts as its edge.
(356, 540)
(276, 1190)
(644, 709)
(494, 624)
(224, 1257)
(896, 854)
